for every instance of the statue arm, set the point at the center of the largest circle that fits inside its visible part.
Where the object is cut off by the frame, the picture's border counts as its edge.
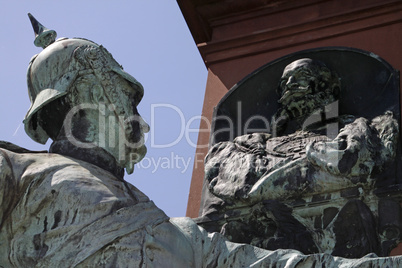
(359, 149)
(227, 164)
(213, 250)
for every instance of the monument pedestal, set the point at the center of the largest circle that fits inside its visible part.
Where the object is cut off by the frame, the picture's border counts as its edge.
(237, 37)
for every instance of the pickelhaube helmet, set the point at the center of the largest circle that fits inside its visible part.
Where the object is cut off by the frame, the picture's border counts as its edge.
(52, 72)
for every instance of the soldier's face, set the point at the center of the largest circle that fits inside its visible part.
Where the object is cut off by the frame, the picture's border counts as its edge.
(295, 83)
(297, 87)
(132, 121)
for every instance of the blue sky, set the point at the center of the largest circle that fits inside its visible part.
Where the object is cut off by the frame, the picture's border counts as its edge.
(151, 40)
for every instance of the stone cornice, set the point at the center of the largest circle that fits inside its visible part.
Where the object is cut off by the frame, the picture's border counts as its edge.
(241, 29)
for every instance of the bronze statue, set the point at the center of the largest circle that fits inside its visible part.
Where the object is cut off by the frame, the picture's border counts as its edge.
(72, 207)
(305, 155)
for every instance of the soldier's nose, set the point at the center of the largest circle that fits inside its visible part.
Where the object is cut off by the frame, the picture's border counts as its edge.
(144, 126)
(290, 81)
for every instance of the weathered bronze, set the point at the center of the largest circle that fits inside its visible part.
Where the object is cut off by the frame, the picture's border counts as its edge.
(315, 164)
(72, 208)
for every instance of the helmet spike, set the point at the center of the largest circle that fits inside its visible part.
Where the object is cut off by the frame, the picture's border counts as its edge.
(43, 36)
